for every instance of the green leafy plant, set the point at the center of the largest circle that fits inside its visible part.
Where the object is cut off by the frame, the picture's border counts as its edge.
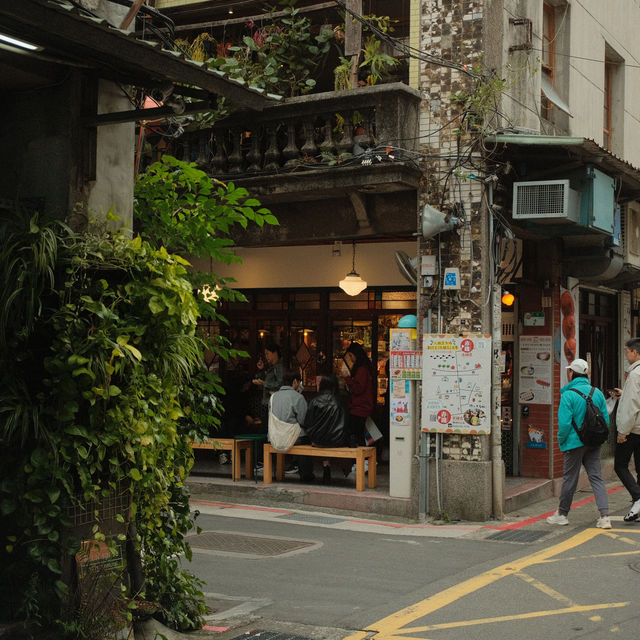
(282, 56)
(478, 101)
(342, 74)
(376, 62)
(101, 384)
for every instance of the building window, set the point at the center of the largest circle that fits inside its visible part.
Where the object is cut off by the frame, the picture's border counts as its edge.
(548, 54)
(613, 101)
(607, 131)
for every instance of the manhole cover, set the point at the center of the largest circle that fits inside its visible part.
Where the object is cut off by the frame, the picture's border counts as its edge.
(229, 542)
(518, 536)
(307, 517)
(269, 635)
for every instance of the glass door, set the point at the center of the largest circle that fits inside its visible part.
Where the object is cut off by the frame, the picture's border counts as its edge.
(343, 333)
(303, 347)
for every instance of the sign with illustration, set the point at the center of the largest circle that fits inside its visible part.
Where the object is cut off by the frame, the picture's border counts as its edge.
(535, 373)
(400, 398)
(456, 384)
(536, 438)
(402, 339)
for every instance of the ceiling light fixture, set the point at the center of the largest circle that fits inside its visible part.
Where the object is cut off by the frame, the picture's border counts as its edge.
(353, 284)
(15, 42)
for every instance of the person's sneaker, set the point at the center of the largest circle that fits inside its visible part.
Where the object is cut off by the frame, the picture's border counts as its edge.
(291, 469)
(634, 512)
(558, 519)
(604, 522)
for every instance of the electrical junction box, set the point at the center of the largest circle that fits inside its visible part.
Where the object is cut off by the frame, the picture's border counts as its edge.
(429, 266)
(451, 278)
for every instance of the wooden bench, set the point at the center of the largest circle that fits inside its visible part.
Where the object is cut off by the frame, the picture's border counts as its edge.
(359, 454)
(236, 447)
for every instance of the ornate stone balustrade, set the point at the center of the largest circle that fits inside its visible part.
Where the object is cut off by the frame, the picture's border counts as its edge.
(334, 129)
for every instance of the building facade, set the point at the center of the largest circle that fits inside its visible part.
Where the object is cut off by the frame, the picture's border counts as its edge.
(501, 152)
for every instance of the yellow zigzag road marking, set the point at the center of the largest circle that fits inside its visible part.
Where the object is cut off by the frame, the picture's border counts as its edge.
(388, 627)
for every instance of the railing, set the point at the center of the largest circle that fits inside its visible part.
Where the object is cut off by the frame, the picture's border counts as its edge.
(334, 128)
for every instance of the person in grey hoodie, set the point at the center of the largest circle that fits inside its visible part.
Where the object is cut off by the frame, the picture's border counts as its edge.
(628, 427)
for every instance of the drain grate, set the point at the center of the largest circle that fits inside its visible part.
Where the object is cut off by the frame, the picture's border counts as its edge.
(269, 635)
(518, 536)
(247, 545)
(307, 517)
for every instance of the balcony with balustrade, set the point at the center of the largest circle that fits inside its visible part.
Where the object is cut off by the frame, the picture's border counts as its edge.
(312, 146)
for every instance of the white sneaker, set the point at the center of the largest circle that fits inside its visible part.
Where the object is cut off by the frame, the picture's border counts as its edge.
(603, 522)
(634, 512)
(558, 519)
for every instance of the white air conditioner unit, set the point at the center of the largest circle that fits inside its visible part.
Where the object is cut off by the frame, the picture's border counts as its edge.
(631, 234)
(546, 201)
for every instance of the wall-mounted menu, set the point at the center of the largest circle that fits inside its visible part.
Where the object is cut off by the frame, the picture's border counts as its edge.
(535, 370)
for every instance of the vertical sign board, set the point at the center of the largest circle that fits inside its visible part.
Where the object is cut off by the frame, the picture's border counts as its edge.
(456, 384)
(536, 370)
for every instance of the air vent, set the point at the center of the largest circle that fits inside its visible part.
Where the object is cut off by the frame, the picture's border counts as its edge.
(548, 201)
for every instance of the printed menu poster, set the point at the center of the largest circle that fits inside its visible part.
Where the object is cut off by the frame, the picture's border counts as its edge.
(400, 397)
(456, 384)
(535, 370)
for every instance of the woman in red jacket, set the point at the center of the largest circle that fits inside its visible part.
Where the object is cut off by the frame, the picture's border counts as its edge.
(358, 374)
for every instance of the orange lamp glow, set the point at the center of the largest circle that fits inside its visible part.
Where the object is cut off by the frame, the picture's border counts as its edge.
(508, 299)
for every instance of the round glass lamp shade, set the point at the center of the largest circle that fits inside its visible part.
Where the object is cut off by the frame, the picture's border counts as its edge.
(353, 284)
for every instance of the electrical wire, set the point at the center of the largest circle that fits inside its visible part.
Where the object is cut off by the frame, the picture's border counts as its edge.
(403, 47)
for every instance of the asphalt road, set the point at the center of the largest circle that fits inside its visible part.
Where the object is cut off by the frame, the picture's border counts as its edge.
(323, 576)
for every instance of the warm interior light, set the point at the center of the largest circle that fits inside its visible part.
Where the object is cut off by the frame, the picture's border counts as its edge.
(353, 284)
(210, 295)
(15, 42)
(508, 299)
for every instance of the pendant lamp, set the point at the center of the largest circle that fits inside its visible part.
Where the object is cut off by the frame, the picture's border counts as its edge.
(353, 284)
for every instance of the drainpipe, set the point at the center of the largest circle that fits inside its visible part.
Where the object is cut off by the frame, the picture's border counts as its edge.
(497, 464)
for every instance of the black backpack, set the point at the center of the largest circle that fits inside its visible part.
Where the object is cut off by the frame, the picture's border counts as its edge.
(594, 430)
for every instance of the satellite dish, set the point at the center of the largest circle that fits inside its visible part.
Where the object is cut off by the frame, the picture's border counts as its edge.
(408, 266)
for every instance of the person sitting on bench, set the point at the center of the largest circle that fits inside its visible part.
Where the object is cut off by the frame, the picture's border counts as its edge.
(326, 420)
(288, 406)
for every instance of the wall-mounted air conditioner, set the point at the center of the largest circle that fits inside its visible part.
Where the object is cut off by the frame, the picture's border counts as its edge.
(631, 234)
(585, 198)
(547, 201)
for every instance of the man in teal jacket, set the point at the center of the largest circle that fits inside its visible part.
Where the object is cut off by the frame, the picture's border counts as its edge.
(572, 409)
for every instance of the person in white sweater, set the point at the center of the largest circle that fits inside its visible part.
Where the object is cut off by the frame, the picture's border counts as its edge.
(628, 427)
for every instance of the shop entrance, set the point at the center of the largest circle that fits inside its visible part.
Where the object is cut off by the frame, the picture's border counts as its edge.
(598, 342)
(313, 329)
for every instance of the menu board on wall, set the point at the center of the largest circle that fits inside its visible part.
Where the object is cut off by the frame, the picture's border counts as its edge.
(456, 384)
(535, 374)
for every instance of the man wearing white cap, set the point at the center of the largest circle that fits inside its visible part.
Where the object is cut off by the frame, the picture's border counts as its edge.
(572, 411)
(628, 426)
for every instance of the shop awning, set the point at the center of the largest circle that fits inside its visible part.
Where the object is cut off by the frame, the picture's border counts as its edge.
(68, 38)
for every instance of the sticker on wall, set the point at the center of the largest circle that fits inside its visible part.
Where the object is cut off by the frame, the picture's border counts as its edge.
(536, 438)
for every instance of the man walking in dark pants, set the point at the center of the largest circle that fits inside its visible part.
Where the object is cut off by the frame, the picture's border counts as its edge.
(628, 426)
(571, 412)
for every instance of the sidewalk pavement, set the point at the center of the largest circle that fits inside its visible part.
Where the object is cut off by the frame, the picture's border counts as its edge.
(583, 514)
